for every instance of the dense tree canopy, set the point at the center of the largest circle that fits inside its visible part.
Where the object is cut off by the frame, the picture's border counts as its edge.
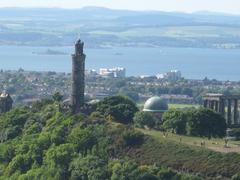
(176, 120)
(142, 119)
(45, 144)
(120, 108)
(195, 122)
(206, 122)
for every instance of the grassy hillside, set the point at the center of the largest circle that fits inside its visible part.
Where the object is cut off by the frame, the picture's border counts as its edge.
(216, 144)
(186, 158)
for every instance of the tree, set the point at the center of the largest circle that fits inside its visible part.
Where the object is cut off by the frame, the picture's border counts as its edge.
(12, 123)
(20, 163)
(130, 94)
(57, 97)
(142, 119)
(195, 122)
(85, 138)
(59, 157)
(120, 108)
(175, 120)
(88, 168)
(124, 170)
(206, 122)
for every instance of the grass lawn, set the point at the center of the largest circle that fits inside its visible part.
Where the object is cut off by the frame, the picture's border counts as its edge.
(174, 106)
(182, 106)
(213, 144)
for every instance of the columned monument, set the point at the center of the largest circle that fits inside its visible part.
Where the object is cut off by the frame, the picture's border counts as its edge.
(78, 78)
(225, 105)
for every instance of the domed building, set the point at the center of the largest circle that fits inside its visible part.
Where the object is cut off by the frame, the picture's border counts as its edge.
(156, 106)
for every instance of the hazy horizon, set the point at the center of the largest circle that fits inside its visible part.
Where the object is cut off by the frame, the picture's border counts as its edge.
(188, 6)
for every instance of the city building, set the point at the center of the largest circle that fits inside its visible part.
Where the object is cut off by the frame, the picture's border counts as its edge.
(78, 76)
(117, 72)
(173, 75)
(5, 103)
(91, 73)
(106, 73)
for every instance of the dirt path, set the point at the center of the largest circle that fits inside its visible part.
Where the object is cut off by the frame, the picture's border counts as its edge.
(225, 150)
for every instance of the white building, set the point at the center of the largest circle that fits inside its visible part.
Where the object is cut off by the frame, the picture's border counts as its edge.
(114, 72)
(172, 75)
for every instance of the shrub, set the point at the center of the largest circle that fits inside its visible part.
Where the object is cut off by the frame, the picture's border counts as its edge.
(132, 137)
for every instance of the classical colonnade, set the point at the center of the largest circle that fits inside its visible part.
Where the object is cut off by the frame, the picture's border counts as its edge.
(225, 105)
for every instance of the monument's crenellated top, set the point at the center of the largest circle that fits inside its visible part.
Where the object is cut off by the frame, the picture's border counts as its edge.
(79, 47)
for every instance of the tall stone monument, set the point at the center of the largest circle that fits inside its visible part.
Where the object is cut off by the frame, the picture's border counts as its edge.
(78, 78)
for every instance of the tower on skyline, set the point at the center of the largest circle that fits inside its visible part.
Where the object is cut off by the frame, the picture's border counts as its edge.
(78, 77)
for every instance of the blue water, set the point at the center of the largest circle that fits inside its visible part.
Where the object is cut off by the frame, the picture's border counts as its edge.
(194, 63)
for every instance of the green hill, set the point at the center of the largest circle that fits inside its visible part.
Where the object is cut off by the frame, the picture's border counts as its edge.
(42, 143)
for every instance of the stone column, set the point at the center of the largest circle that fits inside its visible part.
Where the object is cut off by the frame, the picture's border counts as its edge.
(212, 104)
(217, 106)
(208, 104)
(235, 111)
(229, 112)
(205, 103)
(222, 107)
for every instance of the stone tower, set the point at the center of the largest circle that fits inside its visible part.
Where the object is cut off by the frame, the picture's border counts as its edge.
(78, 78)
(5, 103)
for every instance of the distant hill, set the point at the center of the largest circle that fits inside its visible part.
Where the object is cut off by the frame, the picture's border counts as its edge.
(101, 27)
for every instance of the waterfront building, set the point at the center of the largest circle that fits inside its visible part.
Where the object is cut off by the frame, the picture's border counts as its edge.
(116, 72)
(173, 75)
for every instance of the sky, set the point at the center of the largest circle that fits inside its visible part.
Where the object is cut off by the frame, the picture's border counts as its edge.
(226, 6)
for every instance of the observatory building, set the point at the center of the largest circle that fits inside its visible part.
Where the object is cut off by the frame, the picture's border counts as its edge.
(156, 106)
(78, 78)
